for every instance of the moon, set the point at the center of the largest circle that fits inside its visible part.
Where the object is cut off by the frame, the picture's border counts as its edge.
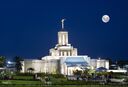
(105, 18)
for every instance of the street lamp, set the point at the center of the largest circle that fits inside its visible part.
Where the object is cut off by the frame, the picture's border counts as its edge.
(9, 62)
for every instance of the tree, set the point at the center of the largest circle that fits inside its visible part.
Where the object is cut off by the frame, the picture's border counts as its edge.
(77, 73)
(2, 61)
(86, 72)
(30, 70)
(18, 64)
(121, 63)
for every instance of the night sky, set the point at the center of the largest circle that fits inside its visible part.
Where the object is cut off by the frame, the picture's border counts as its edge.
(29, 28)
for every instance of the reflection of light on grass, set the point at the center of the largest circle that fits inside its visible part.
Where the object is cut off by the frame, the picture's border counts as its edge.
(19, 82)
(6, 82)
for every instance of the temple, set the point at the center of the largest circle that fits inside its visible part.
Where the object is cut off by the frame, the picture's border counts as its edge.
(63, 59)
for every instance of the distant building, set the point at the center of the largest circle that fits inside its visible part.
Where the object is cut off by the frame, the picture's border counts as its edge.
(97, 63)
(10, 64)
(63, 59)
(117, 69)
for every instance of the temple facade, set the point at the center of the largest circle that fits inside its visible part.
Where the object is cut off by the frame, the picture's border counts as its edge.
(63, 59)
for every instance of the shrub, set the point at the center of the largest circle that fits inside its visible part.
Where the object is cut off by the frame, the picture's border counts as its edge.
(41, 74)
(57, 75)
(24, 74)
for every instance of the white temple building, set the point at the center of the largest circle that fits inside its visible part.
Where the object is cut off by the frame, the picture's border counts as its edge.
(63, 59)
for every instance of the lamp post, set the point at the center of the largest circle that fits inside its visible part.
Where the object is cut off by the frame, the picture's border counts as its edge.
(67, 71)
(127, 71)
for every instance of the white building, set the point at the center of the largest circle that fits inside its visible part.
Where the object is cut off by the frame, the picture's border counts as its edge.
(97, 63)
(63, 58)
(37, 65)
(62, 52)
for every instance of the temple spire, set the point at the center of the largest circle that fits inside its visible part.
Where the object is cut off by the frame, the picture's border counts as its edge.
(62, 23)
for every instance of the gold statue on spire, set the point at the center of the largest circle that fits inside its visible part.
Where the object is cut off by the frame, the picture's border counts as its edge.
(62, 23)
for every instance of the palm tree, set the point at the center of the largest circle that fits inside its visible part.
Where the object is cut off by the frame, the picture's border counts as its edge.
(2, 61)
(18, 64)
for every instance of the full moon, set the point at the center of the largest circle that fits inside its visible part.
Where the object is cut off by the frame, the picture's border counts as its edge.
(105, 18)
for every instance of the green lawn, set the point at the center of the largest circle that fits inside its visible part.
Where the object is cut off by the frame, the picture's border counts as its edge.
(18, 82)
(61, 86)
(28, 81)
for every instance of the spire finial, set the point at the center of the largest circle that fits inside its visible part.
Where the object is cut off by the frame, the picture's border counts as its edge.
(62, 21)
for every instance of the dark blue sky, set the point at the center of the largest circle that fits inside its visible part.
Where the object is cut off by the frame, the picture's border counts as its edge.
(29, 28)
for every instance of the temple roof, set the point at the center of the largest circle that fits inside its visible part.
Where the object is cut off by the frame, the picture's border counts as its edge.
(76, 61)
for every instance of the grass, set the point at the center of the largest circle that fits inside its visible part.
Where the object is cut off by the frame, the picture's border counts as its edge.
(19, 82)
(28, 81)
(57, 80)
(61, 86)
